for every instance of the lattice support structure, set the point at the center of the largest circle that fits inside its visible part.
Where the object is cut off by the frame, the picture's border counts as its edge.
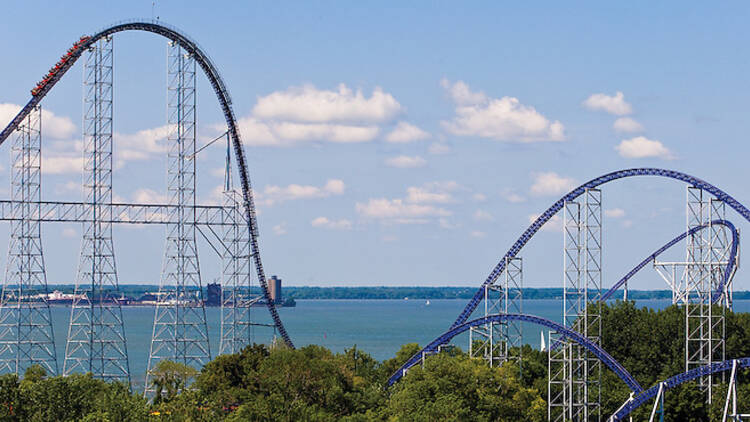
(96, 335)
(707, 254)
(493, 342)
(180, 331)
(574, 383)
(26, 335)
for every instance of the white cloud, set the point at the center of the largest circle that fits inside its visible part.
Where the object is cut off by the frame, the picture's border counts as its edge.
(280, 229)
(69, 232)
(615, 213)
(149, 196)
(405, 161)
(256, 132)
(405, 132)
(550, 183)
(626, 124)
(503, 119)
(447, 224)
(482, 215)
(477, 234)
(53, 126)
(642, 147)
(554, 224)
(398, 211)
(142, 145)
(479, 197)
(611, 104)
(62, 163)
(276, 194)
(326, 223)
(309, 104)
(511, 196)
(461, 94)
(438, 149)
(435, 192)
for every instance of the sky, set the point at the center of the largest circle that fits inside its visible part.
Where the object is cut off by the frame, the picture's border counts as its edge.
(406, 144)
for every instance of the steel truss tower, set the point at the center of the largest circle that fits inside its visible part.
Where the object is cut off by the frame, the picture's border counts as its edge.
(96, 334)
(180, 332)
(26, 335)
(494, 341)
(574, 383)
(707, 256)
(237, 300)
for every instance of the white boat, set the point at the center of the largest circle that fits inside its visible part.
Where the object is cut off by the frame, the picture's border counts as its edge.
(427, 303)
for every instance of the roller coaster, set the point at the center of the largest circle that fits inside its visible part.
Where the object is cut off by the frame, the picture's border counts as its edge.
(96, 342)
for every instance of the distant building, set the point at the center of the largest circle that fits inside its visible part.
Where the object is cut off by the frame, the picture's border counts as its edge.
(274, 289)
(213, 296)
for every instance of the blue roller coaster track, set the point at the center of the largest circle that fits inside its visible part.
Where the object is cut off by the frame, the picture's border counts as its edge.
(578, 338)
(676, 380)
(554, 209)
(727, 272)
(219, 87)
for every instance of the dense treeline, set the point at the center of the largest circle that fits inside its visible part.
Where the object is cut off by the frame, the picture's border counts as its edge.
(312, 383)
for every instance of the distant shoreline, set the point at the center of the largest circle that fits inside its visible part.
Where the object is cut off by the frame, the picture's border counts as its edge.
(400, 292)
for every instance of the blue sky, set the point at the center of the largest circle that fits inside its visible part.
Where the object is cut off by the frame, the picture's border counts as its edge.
(395, 144)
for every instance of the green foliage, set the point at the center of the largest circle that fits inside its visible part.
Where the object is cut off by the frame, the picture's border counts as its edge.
(169, 378)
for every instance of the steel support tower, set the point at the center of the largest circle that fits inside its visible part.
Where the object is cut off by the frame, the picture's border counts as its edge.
(237, 326)
(180, 331)
(707, 254)
(574, 384)
(493, 342)
(96, 335)
(26, 335)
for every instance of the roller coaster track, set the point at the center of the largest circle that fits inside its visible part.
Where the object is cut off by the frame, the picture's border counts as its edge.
(225, 100)
(554, 209)
(676, 380)
(595, 349)
(727, 272)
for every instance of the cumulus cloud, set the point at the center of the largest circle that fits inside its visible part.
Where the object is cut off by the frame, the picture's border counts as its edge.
(326, 223)
(276, 194)
(479, 197)
(279, 229)
(149, 196)
(257, 132)
(53, 126)
(310, 104)
(502, 119)
(143, 144)
(482, 215)
(406, 132)
(511, 196)
(435, 192)
(611, 104)
(550, 183)
(642, 147)
(405, 161)
(554, 224)
(626, 124)
(438, 149)
(615, 213)
(399, 211)
(61, 163)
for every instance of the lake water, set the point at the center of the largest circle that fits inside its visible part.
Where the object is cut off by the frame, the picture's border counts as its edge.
(378, 327)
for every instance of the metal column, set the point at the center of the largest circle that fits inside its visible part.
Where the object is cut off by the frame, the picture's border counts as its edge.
(494, 341)
(180, 332)
(26, 335)
(96, 335)
(574, 376)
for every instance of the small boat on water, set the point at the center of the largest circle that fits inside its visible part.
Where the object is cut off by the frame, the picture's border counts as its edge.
(427, 303)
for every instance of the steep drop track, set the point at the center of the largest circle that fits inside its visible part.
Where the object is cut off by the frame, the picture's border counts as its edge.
(226, 105)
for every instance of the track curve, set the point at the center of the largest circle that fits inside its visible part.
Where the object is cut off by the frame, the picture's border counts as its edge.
(573, 335)
(676, 380)
(219, 87)
(727, 272)
(575, 193)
